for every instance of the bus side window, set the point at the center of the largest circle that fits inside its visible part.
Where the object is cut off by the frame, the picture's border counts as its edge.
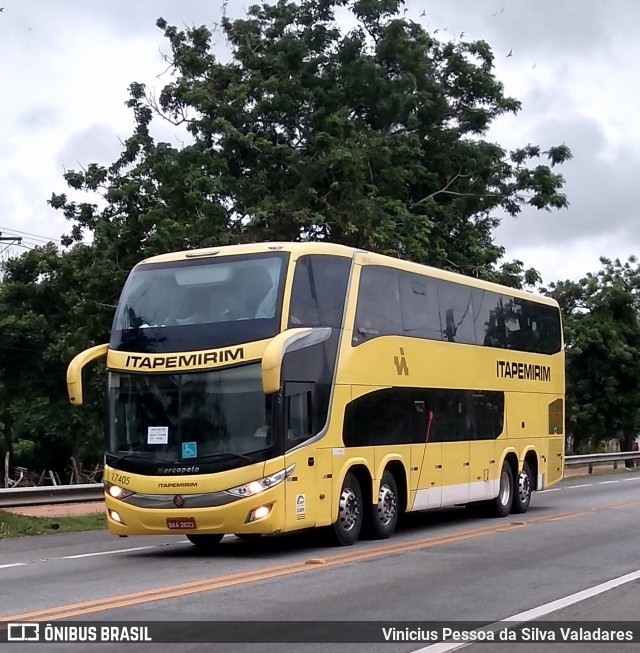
(319, 290)
(489, 414)
(520, 331)
(546, 327)
(299, 412)
(456, 312)
(378, 312)
(419, 306)
(488, 312)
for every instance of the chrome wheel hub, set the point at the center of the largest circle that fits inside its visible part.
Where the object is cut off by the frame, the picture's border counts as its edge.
(349, 509)
(504, 488)
(524, 487)
(387, 505)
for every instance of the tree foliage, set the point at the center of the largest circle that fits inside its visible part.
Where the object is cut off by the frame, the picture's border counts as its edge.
(371, 137)
(602, 333)
(41, 307)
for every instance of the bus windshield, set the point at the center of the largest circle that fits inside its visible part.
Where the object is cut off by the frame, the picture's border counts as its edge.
(188, 304)
(216, 418)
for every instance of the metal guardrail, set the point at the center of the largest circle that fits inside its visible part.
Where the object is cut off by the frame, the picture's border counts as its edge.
(45, 494)
(50, 494)
(592, 459)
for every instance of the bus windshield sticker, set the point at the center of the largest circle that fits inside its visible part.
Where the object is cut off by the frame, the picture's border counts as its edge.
(158, 435)
(189, 450)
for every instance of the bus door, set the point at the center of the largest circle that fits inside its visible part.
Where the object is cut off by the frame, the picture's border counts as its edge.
(300, 489)
(482, 470)
(488, 409)
(455, 473)
(452, 426)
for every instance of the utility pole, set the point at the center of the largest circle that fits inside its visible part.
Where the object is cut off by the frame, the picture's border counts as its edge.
(9, 240)
(12, 240)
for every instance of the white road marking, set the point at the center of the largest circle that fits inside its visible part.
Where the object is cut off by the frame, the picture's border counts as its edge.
(105, 553)
(94, 554)
(535, 613)
(575, 487)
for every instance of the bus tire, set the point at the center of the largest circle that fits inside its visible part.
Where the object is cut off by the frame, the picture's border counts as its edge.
(205, 542)
(501, 505)
(383, 515)
(347, 528)
(522, 494)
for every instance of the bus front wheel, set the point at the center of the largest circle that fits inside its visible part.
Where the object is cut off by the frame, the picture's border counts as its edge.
(347, 528)
(205, 542)
(522, 496)
(384, 514)
(501, 505)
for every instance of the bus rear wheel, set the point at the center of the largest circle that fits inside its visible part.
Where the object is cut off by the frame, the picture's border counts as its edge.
(501, 505)
(384, 514)
(522, 496)
(205, 542)
(347, 528)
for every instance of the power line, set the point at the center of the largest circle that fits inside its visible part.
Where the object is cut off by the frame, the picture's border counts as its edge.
(46, 239)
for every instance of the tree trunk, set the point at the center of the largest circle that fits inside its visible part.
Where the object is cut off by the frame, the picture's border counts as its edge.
(626, 443)
(7, 445)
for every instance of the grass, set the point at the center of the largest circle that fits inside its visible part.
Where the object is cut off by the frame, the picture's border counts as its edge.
(13, 525)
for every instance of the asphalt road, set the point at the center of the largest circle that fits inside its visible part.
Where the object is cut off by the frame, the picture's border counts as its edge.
(440, 567)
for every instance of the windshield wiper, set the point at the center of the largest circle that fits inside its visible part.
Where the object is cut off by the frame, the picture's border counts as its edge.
(149, 459)
(239, 456)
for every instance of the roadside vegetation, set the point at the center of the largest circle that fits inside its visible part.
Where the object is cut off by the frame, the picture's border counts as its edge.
(14, 525)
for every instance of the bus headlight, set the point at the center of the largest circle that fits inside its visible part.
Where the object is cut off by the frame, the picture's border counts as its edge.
(262, 484)
(258, 513)
(116, 491)
(116, 517)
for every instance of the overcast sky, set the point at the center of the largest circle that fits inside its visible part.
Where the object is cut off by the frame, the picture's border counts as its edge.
(67, 66)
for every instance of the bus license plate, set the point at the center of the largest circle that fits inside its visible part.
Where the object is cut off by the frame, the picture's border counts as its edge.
(182, 522)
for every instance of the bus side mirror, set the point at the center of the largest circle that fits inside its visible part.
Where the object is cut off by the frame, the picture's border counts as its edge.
(287, 341)
(74, 371)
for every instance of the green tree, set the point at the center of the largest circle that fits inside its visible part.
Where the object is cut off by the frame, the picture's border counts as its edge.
(371, 137)
(40, 315)
(602, 332)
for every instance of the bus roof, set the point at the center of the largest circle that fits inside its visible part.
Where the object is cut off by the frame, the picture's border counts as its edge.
(255, 248)
(361, 257)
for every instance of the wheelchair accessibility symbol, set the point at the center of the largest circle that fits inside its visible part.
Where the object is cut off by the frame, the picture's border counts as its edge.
(189, 450)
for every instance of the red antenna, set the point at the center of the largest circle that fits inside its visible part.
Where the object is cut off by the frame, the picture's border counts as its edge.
(426, 440)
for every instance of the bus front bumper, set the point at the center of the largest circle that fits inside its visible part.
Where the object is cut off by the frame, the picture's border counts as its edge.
(261, 513)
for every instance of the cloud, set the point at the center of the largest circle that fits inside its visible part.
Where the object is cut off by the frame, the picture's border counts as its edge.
(67, 67)
(93, 144)
(545, 28)
(599, 183)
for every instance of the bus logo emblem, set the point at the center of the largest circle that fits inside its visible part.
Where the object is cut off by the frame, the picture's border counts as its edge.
(401, 363)
(178, 501)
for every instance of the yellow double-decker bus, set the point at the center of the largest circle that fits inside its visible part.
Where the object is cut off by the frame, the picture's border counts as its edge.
(267, 388)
